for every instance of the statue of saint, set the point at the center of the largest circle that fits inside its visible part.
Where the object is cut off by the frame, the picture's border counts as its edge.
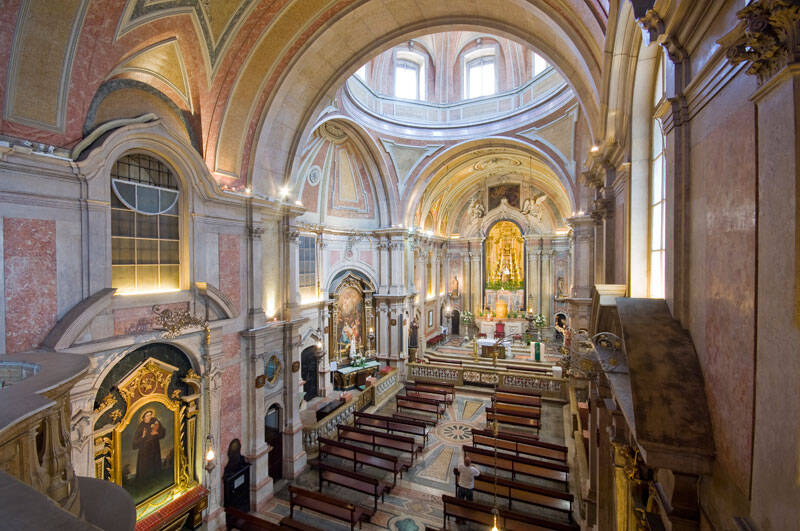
(560, 293)
(454, 286)
(476, 210)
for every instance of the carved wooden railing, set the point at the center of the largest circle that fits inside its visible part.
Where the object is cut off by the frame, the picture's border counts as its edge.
(374, 395)
(506, 380)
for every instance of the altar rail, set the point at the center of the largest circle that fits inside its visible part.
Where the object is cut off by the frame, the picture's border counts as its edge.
(506, 380)
(374, 395)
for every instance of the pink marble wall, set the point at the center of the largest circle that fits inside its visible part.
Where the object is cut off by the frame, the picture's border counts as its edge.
(722, 269)
(140, 319)
(368, 257)
(231, 398)
(230, 282)
(29, 252)
(334, 257)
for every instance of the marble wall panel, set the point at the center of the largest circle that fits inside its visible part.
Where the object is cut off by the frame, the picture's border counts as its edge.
(231, 395)
(230, 268)
(368, 257)
(722, 269)
(29, 271)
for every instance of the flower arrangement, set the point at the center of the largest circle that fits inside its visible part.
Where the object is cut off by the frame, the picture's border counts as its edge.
(539, 321)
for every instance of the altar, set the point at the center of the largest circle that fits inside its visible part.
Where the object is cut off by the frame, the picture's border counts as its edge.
(510, 326)
(489, 348)
(345, 378)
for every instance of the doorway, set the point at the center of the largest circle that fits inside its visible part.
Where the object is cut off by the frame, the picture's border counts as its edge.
(308, 372)
(272, 436)
(456, 322)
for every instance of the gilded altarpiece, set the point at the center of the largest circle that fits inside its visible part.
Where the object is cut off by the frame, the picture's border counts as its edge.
(145, 434)
(352, 319)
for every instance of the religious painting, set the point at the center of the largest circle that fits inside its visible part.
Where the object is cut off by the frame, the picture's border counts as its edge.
(147, 451)
(509, 192)
(350, 307)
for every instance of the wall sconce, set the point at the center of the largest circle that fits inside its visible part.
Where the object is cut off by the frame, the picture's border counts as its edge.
(210, 456)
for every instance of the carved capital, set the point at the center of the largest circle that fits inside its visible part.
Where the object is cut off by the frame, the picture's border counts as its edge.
(254, 232)
(768, 37)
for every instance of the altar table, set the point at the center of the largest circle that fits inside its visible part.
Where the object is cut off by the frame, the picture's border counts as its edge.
(488, 345)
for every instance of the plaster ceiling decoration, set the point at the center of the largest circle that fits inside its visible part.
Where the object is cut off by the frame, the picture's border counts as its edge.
(164, 62)
(332, 133)
(216, 20)
(496, 162)
(406, 158)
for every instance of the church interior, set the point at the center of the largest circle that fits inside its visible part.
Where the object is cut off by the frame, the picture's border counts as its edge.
(400, 264)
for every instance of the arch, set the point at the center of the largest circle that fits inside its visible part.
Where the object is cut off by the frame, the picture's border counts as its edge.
(384, 191)
(337, 276)
(288, 99)
(273, 436)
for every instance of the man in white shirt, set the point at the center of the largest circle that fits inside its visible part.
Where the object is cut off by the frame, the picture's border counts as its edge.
(466, 479)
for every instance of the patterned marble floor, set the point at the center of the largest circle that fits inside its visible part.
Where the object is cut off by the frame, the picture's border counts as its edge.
(416, 500)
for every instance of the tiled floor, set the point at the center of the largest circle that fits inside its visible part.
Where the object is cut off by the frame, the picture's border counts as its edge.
(416, 500)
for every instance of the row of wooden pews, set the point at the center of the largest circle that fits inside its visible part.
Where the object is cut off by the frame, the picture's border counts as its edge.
(533, 492)
(364, 444)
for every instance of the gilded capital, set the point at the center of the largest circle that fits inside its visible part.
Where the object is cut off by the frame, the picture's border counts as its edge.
(768, 37)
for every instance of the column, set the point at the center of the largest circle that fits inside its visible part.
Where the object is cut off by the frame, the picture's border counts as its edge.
(476, 277)
(292, 269)
(582, 270)
(385, 279)
(294, 456)
(547, 284)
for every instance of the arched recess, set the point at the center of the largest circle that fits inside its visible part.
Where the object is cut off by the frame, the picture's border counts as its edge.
(647, 68)
(453, 176)
(279, 112)
(383, 189)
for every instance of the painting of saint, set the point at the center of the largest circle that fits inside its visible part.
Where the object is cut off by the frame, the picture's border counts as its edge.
(509, 192)
(147, 451)
(351, 308)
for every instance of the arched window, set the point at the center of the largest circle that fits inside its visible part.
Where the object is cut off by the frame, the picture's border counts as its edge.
(540, 64)
(657, 196)
(145, 237)
(480, 73)
(409, 75)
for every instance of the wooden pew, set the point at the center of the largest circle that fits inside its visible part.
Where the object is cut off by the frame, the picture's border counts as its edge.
(380, 439)
(522, 393)
(481, 513)
(449, 389)
(531, 412)
(516, 491)
(352, 480)
(510, 418)
(409, 427)
(234, 518)
(503, 397)
(401, 417)
(420, 404)
(362, 456)
(519, 445)
(432, 393)
(555, 472)
(327, 505)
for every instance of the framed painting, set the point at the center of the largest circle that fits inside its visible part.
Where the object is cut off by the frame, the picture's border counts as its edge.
(509, 192)
(148, 436)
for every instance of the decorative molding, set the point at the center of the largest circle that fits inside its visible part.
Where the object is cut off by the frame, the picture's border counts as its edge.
(68, 329)
(768, 37)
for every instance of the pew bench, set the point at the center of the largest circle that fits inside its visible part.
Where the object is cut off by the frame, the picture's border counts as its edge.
(510, 418)
(531, 412)
(408, 427)
(234, 518)
(362, 456)
(380, 439)
(352, 480)
(401, 417)
(327, 505)
(518, 399)
(420, 404)
(519, 445)
(507, 520)
(554, 472)
(448, 389)
(425, 392)
(516, 491)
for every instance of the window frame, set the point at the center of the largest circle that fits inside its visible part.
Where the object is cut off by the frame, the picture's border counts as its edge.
(479, 58)
(169, 219)
(656, 288)
(411, 60)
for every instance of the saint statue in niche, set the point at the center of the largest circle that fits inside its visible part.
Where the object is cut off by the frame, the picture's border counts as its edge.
(560, 291)
(454, 287)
